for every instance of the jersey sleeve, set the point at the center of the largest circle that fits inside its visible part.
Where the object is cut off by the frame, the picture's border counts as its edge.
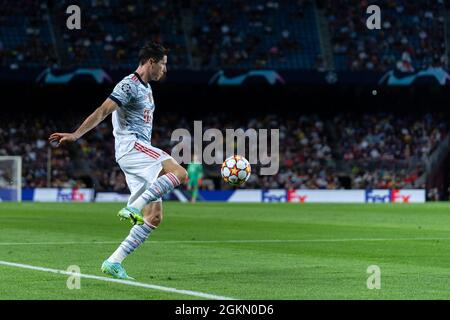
(124, 92)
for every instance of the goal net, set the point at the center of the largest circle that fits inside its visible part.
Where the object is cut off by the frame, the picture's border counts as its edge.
(11, 178)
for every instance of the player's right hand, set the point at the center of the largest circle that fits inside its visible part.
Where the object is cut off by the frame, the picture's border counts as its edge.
(60, 138)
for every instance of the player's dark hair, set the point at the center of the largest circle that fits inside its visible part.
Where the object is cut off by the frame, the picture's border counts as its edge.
(152, 50)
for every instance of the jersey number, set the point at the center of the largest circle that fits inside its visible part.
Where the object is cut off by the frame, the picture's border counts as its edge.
(147, 116)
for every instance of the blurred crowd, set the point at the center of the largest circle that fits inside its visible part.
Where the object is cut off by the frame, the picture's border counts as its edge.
(27, 137)
(381, 150)
(412, 35)
(75, 165)
(244, 33)
(215, 33)
(212, 34)
(306, 159)
(111, 35)
(397, 145)
(24, 36)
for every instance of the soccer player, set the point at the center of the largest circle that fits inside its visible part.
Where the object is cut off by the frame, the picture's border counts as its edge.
(132, 106)
(195, 173)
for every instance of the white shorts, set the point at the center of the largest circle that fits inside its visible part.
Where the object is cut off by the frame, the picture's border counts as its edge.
(141, 166)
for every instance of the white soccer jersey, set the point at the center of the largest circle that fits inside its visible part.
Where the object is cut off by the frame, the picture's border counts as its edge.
(132, 121)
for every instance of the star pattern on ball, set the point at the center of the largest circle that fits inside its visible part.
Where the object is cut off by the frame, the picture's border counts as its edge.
(235, 170)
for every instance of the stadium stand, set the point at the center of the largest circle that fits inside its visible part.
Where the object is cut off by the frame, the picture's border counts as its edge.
(379, 150)
(114, 31)
(411, 37)
(232, 34)
(277, 34)
(255, 34)
(25, 37)
(372, 150)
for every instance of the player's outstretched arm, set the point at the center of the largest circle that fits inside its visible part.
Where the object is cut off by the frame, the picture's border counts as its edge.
(91, 122)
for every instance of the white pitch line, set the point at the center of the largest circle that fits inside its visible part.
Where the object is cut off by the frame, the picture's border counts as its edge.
(125, 282)
(227, 241)
(56, 243)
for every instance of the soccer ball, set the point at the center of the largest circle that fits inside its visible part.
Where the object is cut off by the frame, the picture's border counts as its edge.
(235, 170)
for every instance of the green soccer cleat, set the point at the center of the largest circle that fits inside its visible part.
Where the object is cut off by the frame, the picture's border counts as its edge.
(132, 214)
(115, 270)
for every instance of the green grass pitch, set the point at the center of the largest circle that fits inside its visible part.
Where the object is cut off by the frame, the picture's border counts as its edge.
(242, 251)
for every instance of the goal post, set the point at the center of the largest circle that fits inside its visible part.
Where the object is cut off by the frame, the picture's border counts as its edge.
(11, 178)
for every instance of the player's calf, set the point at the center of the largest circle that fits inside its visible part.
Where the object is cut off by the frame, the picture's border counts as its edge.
(153, 214)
